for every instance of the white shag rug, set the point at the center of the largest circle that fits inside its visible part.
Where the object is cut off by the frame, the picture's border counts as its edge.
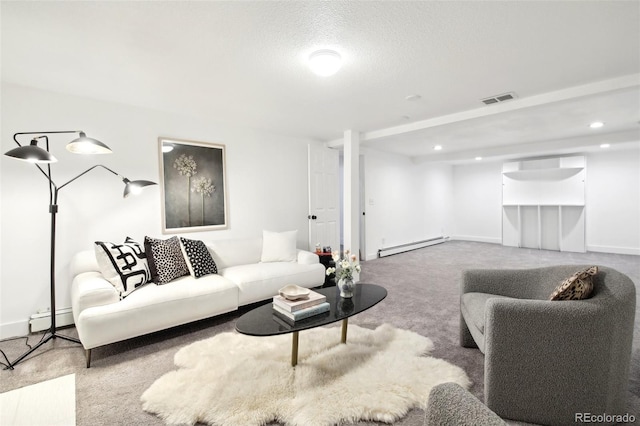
(234, 379)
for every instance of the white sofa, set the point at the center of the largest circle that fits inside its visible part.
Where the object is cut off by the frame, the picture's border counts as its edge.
(102, 318)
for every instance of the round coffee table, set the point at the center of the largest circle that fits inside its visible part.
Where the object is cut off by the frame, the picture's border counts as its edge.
(262, 321)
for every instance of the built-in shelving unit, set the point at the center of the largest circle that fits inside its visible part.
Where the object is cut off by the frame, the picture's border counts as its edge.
(543, 203)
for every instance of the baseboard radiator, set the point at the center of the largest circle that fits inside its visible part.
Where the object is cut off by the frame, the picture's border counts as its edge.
(388, 251)
(42, 320)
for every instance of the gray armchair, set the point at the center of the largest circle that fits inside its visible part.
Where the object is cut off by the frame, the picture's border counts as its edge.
(546, 360)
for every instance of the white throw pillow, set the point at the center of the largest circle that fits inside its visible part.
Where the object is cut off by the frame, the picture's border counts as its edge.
(279, 246)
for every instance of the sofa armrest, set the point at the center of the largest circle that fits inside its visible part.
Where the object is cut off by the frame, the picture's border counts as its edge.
(307, 258)
(450, 404)
(91, 289)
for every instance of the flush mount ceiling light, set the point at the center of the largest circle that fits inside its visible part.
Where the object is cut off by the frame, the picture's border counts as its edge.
(596, 124)
(605, 145)
(437, 147)
(478, 158)
(325, 62)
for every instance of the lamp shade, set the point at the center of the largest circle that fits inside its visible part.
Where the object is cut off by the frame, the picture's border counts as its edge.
(86, 145)
(135, 187)
(31, 153)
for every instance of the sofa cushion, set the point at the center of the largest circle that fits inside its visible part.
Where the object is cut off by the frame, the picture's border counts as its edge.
(279, 246)
(197, 257)
(473, 306)
(227, 253)
(157, 307)
(166, 261)
(261, 281)
(124, 265)
(578, 286)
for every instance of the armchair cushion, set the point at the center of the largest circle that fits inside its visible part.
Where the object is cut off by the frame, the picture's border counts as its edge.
(473, 307)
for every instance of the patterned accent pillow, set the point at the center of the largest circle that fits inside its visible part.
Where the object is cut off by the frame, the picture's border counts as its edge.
(165, 259)
(577, 287)
(198, 258)
(125, 265)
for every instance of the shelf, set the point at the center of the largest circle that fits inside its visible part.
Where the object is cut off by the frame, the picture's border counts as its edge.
(543, 205)
(544, 174)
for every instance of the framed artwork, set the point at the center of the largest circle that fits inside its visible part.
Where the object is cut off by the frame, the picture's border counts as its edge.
(193, 186)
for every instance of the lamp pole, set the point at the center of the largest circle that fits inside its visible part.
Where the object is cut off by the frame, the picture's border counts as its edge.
(28, 153)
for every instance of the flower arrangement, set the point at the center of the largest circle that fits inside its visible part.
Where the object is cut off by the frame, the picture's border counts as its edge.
(346, 264)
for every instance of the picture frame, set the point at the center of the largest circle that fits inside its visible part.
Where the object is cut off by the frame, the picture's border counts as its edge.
(193, 185)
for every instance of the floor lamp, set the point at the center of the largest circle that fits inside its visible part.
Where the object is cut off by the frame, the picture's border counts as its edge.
(34, 154)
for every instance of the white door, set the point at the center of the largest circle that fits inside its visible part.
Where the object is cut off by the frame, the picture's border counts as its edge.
(324, 200)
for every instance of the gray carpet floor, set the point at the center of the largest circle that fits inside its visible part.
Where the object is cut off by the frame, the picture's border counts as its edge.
(423, 291)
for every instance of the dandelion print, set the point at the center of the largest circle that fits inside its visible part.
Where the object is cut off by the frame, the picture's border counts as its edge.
(186, 166)
(203, 186)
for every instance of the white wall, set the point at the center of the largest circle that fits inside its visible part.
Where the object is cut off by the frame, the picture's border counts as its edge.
(404, 202)
(477, 202)
(266, 184)
(613, 202)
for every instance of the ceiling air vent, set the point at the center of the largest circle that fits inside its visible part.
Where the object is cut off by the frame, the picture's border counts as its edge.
(499, 98)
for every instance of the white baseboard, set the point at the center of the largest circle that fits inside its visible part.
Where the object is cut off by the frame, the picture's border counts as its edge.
(370, 256)
(476, 239)
(615, 250)
(37, 322)
(14, 329)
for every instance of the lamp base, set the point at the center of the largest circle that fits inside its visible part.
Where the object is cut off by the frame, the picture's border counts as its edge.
(52, 335)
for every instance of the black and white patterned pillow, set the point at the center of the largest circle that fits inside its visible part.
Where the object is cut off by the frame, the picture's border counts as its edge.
(198, 258)
(165, 259)
(123, 265)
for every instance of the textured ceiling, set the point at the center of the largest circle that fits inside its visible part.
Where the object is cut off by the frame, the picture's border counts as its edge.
(244, 63)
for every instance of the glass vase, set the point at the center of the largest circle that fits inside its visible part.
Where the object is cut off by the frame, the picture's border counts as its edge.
(347, 287)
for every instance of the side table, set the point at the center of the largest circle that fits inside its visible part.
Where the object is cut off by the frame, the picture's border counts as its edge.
(327, 260)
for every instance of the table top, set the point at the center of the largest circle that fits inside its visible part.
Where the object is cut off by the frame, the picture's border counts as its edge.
(262, 321)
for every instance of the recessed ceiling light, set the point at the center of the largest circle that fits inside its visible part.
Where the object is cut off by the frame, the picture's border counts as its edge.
(413, 97)
(437, 147)
(478, 158)
(605, 145)
(596, 124)
(325, 62)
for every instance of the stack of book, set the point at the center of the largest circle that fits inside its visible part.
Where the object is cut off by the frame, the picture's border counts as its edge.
(295, 310)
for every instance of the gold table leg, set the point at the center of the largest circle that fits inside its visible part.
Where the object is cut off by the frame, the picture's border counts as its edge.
(294, 349)
(345, 322)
